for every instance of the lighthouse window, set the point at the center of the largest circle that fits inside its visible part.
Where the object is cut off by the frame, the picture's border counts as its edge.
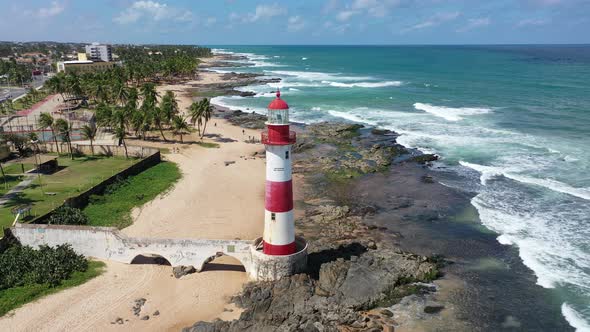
(286, 154)
(278, 116)
(273, 217)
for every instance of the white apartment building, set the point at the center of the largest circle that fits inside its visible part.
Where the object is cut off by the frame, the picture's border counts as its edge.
(99, 52)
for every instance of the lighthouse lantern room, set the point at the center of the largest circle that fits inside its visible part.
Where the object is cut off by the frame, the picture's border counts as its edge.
(279, 225)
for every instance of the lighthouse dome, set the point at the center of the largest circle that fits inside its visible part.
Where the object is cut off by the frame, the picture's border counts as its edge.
(278, 103)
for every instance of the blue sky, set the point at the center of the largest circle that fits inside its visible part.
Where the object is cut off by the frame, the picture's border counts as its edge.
(217, 22)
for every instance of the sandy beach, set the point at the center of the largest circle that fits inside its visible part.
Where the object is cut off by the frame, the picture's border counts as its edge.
(211, 200)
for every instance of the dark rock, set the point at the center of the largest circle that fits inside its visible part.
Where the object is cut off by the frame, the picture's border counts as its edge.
(433, 308)
(372, 245)
(146, 317)
(156, 313)
(119, 320)
(182, 270)
(427, 179)
(424, 158)
(247, 94)
(386, 313)
(138, 305)
(377, 131)
(332, 276)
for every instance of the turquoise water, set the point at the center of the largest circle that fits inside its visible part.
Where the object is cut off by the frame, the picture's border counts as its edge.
(512, 121)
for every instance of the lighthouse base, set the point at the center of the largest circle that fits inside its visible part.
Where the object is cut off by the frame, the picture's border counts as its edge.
(272, 267)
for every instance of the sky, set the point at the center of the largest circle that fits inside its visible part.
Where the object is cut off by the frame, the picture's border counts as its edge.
(267, 22)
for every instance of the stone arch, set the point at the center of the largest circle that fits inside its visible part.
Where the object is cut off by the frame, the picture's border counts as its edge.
(221, 261)
(150, 258)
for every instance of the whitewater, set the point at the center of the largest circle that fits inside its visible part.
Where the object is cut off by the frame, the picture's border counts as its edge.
(515, 138)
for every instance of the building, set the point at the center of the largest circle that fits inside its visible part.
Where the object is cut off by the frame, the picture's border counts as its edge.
(99, 52)
(83, 66)
(279, 224)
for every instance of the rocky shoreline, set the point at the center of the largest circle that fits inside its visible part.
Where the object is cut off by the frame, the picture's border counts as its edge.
(355, 274)
(358, 279)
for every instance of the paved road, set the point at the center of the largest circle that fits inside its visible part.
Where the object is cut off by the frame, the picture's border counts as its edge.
(13, 92)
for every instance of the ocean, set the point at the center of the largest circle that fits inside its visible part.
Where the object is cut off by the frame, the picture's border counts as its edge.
(512, 122)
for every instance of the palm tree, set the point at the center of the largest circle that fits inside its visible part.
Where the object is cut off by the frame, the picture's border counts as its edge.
(89, 133)
(33, 93)
(56, 84)
(159, 118)
(207, 110)
(47, 121)
(149, 93)
(64, 129)
(118, 122)
(179, 125)
(196, 116)
(169, 105)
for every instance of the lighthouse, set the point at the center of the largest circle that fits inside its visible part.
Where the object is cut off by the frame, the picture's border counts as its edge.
(279, 226)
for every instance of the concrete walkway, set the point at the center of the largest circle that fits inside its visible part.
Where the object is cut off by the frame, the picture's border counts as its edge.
(29, 177)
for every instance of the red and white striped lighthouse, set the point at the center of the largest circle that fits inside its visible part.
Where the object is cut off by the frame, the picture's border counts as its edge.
(279, 225)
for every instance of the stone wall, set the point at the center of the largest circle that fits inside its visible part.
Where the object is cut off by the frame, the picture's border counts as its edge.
(109, 243)
(101, 150)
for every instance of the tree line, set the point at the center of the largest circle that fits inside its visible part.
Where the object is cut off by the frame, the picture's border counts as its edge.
(125, 99)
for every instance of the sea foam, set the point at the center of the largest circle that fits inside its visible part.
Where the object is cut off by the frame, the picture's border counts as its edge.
(574, 318)
(317, 76)
(363, 84)
(451, 113)
(489, 172)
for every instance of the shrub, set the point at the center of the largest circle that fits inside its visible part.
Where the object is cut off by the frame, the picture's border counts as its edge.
(113, 187)
(20, 266)
(66, 215)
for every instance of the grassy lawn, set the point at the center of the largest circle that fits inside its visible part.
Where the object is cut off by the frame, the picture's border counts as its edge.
(75, 176)
(13, 298)
(8, 182)
(114, 208)
(17, 168)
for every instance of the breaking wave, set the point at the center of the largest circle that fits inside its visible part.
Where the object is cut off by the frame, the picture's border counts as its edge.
(450, 113)
(363, 84)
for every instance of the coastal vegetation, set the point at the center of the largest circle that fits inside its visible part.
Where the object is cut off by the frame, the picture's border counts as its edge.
(114, 207)
(65, 215)
(27, 274)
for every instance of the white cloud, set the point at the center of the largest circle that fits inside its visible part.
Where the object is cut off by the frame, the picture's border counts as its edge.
(474, 23)
(532, 22)
(267, 11)
(338, 28)
(56, 8)
(345, 15)
(262, 12)
(295, 23)
(152, 10)
(433, 21)
(210, 21)
(377, 8)
(185, 17)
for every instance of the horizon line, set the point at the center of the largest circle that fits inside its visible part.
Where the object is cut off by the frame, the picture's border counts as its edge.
(376, 44)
